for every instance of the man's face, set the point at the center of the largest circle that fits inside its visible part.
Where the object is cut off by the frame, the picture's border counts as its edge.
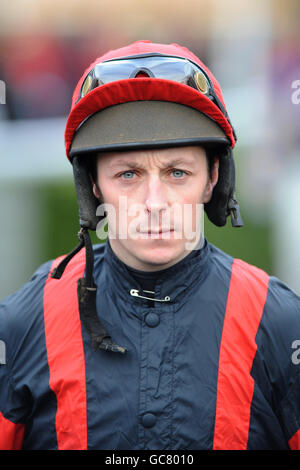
(157, 196)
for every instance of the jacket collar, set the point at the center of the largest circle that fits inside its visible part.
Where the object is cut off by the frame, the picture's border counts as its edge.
(171, 282)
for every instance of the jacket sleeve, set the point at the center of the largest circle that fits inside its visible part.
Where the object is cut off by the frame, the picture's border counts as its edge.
(11, 407)
(11, 434)
(17, 312)
(289, 409)
(283, 345)
(289, 412)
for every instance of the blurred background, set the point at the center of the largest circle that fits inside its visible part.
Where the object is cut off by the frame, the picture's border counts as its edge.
(253, 48)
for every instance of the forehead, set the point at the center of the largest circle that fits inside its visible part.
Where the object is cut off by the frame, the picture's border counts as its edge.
(187, 155)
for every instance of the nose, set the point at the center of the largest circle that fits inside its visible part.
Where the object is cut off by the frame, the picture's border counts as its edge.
(156, 198)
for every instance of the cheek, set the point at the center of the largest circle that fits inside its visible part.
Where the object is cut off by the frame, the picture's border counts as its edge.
(107, 192)
(195, 192)
(207, 193)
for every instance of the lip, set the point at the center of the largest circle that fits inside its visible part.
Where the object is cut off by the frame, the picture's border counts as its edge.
(157, 232)
(161, 234)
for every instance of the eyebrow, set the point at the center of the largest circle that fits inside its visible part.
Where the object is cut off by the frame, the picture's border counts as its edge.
(135, 164)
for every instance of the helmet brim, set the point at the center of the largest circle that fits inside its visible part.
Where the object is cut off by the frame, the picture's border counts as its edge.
(142, 89)
(145, 124)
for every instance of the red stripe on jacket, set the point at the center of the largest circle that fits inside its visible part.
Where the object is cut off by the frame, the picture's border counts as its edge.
(245, 303)
(66, 354)
(11, 434)
(294, 442)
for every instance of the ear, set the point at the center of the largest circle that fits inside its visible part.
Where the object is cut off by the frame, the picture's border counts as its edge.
(95, 190)
(212, 181)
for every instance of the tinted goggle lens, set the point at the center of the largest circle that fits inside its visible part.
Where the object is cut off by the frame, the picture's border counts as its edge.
(169, 68)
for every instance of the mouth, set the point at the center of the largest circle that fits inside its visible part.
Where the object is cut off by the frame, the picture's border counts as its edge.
(157, 232)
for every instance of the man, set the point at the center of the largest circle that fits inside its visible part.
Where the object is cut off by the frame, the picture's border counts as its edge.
(155, 339)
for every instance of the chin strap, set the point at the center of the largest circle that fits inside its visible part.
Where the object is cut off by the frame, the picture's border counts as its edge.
(87, 291)
(223, 202)
(235, 214)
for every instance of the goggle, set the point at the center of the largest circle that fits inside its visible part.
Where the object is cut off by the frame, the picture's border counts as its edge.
(152, 66)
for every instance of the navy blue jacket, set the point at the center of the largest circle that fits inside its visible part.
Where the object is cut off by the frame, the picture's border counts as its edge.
(214, 367)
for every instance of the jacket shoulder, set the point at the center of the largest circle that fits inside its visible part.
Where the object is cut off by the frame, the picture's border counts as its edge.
(282, 303)
(34, 285)
(221, 261)
(282, 309)
(238, 272)
(19, 310)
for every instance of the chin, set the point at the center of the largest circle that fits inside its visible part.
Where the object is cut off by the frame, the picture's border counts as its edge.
(158, 253)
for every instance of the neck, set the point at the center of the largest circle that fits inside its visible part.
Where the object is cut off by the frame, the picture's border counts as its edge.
(132, 261)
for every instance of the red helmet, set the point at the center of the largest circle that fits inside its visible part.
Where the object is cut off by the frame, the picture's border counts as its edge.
(167, 73)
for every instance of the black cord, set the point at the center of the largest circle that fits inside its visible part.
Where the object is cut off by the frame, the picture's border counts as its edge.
(59, 270)
(87, 291)
(89, 267)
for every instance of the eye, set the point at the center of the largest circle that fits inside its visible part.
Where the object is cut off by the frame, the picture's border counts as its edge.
(127, 174)
(178, 173)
